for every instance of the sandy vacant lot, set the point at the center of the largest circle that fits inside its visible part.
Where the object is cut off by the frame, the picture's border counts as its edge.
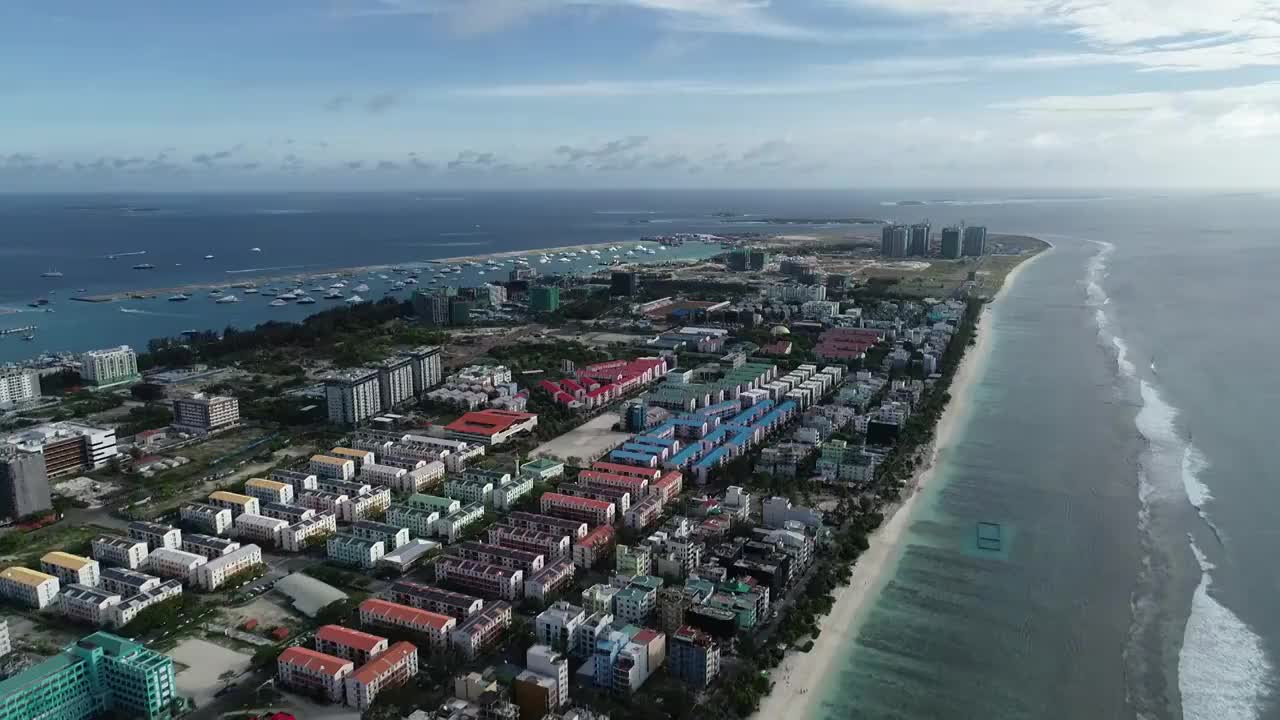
(205, 663)
(588, 441)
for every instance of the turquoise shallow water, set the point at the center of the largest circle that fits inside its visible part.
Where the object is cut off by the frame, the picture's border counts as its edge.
(1038, 628)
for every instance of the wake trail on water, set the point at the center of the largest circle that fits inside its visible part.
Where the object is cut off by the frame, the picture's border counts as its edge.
(1222, 666)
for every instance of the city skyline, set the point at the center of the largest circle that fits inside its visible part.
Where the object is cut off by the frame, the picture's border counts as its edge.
(392, 94)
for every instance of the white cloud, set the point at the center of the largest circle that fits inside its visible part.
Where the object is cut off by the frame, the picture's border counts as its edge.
(660, 88)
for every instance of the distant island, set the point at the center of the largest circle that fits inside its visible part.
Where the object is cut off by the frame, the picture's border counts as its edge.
(822, 221)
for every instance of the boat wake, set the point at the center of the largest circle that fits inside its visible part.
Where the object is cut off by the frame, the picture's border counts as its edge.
(1222, 665)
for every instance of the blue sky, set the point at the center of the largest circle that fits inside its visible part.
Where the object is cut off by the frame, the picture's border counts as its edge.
(389, 94)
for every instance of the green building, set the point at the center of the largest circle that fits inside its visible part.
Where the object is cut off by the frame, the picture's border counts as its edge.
(100, 674)
(544, 299)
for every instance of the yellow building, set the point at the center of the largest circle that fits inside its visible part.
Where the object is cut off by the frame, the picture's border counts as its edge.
(359, 457)
(269, 490)
(332, 467)
(70, 568)
(30, 587)
(235, 502)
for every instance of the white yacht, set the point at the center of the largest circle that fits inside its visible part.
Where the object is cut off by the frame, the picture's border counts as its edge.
(225, 299)
(306, 300)
(179, 298)
(291, 295)
(334, 294)
(208, 257)
(355, 299)
(278, 303)
(251, 291)
(215, 292)
(361, 288)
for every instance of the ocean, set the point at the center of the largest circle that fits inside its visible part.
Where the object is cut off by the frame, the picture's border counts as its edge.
(1119, 433)
(1119, 436)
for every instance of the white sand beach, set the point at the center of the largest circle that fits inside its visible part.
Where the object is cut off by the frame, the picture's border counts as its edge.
(798, 679)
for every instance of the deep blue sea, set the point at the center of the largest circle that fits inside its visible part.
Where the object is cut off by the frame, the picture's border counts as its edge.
(1120, 432)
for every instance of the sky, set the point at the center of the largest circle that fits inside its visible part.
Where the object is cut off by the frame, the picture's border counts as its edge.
(543, 94)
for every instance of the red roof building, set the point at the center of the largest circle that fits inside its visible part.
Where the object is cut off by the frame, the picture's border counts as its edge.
(635, 485)
(353, 645)
(668, 486)
(434, 626)
(313, 672)
(395, 667)
(650, 474)
(490, 427)
(593, 548)
(592, 512)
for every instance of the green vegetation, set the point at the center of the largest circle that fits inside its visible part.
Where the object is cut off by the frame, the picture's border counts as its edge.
(85, 403)
(61, 382)
(166, 614)
(147, 417)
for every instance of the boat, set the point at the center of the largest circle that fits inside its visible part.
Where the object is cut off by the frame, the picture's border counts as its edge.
(278, 303)
(51, 274)
(337, 285)
(306, 300)
(251, 291)
(179, 298)
(38, 303)
(215, 292)
(255, 249)
(291, 295)
(270, 291)
(355, 299)
(361, 288)
(190, 333)
(144, 266)
(208, 257)
(410, 281)
(28, 337)
(225, 299)
(333, 295)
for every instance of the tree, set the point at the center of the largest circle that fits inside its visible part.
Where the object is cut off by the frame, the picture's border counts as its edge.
(147, 392)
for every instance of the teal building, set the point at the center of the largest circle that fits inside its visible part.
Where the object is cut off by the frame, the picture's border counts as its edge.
(99, 674)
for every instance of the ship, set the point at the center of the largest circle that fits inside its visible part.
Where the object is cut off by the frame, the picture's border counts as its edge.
(179, 298)
(278, 303)
(333, 295)
(255, 249)
(215, 292)
(355, 299)
(51, 274)
(227, 299)
(306, 300)
(251, 291)
(361, 288)
(208, 257)
(144, 266)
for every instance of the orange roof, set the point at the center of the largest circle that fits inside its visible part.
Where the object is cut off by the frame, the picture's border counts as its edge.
(351, 638)
(317, 661)
(603, 533)
(487, 422)
(406, 614)
(385, 662)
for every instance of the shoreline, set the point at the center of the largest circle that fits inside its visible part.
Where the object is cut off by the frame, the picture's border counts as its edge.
(795, 693)
(240, 277)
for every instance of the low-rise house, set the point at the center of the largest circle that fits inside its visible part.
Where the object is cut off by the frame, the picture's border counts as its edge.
(206, 518)
(548, 581)
(237, 503)
(419, 521)
(29, 587)
(176, 564)
(595, 547)
(207, 545)
(87, 604)
(126, 583)
(217, 572)
(269, 491)
(260, 528)
(156, 535)
(126, 610)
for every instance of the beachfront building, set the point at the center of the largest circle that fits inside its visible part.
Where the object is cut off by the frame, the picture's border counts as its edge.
(206, 518)
(237, 503)
(314, 673)
(355, 551)
(70, 568)
(156, 535)
(110, 367)
(269, 491)
(203, 414)
(217, 572)
(98, 675)
(435, 626)
(122, 552)
(29, 587)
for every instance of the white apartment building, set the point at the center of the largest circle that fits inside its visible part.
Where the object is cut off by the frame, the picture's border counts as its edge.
(237, 503)
(260, 528)
(212, 575)
(327, 466)
(156, 535)
(548, 662)
(387, 475)
(18, 385)
(364, 507)
(325, 501)
(306, 670)
(70, 569)
(295, 537)
(269, 490)
(29, 587)
(123, 552)
(177, 564)
(354, 396)
(113, 366)
(201, 414)
(5, 645)
(420, 478)
(87, 604)
(126, 610)
(427, 367)
(557, 625)
(207, 518)
(395, 381)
